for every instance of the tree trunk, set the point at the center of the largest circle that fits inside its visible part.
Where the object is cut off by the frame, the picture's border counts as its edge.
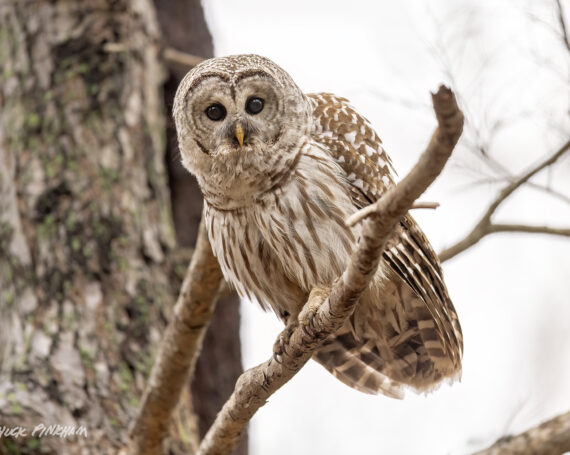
(86, 279)
(219, 365)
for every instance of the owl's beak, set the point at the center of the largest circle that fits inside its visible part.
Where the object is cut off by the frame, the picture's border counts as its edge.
(239, 133)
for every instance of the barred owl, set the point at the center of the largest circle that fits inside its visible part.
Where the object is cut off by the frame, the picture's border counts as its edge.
(280, 171)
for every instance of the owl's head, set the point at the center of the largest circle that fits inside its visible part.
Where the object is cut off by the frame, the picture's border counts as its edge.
(241, 121)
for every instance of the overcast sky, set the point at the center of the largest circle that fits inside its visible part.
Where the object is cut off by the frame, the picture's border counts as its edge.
(512, 290)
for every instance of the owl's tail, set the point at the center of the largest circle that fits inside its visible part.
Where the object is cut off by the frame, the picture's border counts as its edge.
(389, 344)
(360, 370)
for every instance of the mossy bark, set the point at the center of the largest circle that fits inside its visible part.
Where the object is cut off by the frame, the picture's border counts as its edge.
(86, 276)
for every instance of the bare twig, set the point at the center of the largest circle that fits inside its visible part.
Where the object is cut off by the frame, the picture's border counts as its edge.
(170, 54)
(485, 226)
(565, 36)
(113, 48)
(357, 217)
(425, 205)
(530, 184)
(182, 58)
(179, 349)
(549, 438)
(509, 189)
(529, 229)
(550, 191)
(255, 386)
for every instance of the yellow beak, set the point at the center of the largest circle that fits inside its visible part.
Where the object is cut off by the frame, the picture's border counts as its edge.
(239, 134)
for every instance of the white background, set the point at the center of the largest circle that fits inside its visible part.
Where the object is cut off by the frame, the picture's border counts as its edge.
(511, 291)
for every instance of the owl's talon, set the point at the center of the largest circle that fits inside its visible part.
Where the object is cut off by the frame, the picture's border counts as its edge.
(282, 339)
(316, 298)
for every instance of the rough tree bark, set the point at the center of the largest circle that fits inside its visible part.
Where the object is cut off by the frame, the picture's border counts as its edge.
(219, 365)
(86, 282)
(179, 350)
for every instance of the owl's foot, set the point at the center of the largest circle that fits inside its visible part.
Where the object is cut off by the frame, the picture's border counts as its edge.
(283, 339)
(316, 298)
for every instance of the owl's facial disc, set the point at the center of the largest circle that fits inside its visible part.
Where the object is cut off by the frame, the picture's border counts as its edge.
(236, 116)
(240, 123)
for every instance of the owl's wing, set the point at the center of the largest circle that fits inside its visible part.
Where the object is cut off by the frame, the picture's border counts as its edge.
(356, 147)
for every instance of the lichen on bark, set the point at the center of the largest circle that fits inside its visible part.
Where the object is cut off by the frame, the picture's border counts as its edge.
(85, 231)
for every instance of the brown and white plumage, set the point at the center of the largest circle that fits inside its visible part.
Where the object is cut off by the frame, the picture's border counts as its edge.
(275, 204)
(422, 313)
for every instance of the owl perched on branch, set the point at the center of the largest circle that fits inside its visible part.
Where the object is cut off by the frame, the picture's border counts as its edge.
(280, 171)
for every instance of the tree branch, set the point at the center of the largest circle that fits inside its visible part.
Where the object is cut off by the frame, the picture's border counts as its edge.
(485, 226)
(425, 205)
(171, 55)
(179, 349)
(565, 37)
(255, 386)
(365, 212)
(529, 229)
(549, 438)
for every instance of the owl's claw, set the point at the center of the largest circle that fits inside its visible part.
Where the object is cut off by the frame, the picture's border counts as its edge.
(282, 339)
(316, 298)
(314, 302)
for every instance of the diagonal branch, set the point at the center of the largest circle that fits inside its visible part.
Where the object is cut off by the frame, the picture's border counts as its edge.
(550, 191)
(485, 226)
(515, 184)
(530, 184)
(256, 385)
(179, 349)
(528, 229)
(565, 37)
(549, 438)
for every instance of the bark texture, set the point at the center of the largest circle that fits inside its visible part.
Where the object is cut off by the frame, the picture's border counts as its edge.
(184, 28)
(85, 228)
(179, 350)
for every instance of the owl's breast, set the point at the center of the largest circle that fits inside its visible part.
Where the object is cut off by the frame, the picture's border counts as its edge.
(276, 251)
(249, 262)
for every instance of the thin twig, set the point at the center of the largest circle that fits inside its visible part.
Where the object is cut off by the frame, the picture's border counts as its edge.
(256, 385)
(549, 438)
(565, 36)
(113, 48)
(361, 214)
(515, 184)
(550, 191)
(485, 226)
(425, 205)
(493, 228)
(170, 54)
(530, 184)
(179, 349)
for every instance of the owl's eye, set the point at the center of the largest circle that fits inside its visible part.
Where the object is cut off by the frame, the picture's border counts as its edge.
(216, 112)
(254, 105)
